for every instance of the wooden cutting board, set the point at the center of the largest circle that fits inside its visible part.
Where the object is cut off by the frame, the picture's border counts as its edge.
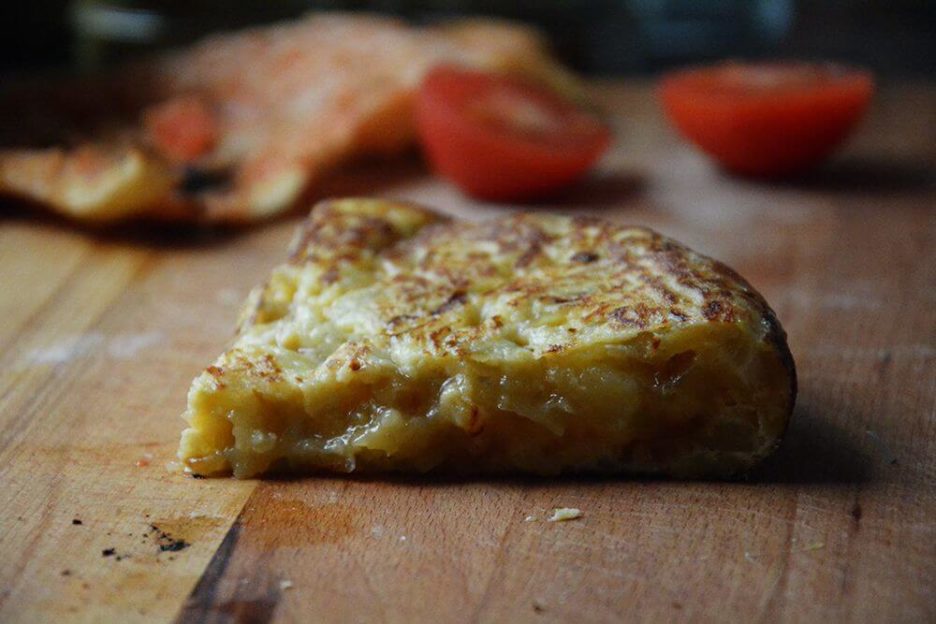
(101, 334)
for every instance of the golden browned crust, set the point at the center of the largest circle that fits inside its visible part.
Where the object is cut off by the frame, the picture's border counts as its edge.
(263, 115)
(397, 339)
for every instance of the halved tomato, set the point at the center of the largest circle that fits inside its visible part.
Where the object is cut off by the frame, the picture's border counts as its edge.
(500, 138)
(767, 119)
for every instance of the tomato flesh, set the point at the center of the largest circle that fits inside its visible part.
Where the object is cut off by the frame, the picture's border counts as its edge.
(767, 119)
(502, 139)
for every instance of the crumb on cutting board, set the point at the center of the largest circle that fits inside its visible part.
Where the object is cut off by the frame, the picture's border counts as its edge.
(165, 541)
(562, 514)
(145, 460)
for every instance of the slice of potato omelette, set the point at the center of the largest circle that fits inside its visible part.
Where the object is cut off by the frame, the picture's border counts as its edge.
(395, 339)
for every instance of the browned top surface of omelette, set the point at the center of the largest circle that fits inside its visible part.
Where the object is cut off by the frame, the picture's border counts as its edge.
(240, 126)
(602, 278)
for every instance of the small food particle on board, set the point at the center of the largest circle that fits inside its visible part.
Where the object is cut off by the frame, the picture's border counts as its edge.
(76, 522)
(285, 584)
(562, 514)
(112, 552)
(165, 541)
(145, 460)
(173, 546)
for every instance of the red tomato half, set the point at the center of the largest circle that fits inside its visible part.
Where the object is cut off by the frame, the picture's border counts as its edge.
(767, 119)
(501, 139)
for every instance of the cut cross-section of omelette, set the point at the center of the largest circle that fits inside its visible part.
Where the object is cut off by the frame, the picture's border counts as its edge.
(395, 339)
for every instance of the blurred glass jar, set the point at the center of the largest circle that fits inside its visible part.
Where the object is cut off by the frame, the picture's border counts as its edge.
(614, 36)
(683, 30)
(107, 31)
(599, 36)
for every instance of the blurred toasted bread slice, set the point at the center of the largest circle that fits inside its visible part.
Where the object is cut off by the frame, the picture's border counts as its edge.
(241, 126)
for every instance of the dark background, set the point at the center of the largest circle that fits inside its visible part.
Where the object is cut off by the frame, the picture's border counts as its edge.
(897, 38)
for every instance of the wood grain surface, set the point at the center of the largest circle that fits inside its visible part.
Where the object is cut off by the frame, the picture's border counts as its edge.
(102, 332)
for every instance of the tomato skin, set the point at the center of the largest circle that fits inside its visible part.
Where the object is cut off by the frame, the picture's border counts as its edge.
(767, 120)
(503, 140)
